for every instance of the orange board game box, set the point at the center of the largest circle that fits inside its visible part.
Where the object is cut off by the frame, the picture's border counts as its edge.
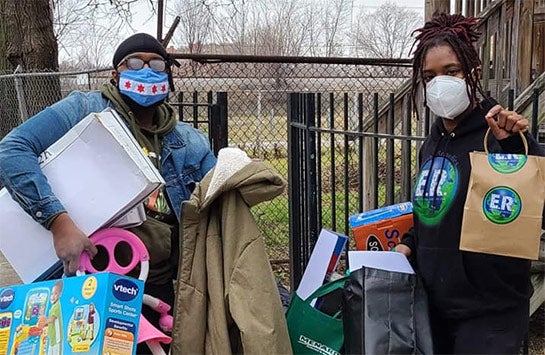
(381, 229)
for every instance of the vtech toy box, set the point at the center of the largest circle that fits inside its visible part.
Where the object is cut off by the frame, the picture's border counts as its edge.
(90, 314)
(381, 229)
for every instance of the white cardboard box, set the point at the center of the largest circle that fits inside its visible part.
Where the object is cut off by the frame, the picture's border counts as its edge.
(98, 171)
(323, 261)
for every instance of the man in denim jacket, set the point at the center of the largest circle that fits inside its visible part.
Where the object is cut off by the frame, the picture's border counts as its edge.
(140, 82)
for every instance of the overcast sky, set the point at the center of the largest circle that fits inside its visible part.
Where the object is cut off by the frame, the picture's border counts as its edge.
(143, 21)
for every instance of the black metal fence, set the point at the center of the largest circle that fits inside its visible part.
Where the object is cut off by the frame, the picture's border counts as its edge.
(214, 118)
(336, 170)
(246, 100)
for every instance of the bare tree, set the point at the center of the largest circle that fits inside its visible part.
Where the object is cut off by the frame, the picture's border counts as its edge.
(195, 23)
(230, 24)
(315, 31)
(30, 44)
(336, 23)
(386, 32)
(262, 26)
(89, 27)
(93, 51)
(29, 34)
(279, 29)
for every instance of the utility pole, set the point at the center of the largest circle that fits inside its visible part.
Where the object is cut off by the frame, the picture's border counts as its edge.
(160, 20)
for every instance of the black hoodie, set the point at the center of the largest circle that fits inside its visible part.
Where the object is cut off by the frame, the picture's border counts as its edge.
(461, 284)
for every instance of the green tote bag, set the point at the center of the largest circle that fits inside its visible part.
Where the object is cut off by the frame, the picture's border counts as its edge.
(312, 331)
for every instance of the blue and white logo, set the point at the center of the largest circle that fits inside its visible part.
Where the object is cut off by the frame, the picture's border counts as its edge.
(502, 205)
(125, 290)
(6, 298)
(507, 163)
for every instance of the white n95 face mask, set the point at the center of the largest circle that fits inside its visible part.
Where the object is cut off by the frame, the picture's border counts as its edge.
(446, 96)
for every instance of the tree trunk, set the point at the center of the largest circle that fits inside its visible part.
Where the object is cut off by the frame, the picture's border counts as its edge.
(7, 89)
(29, 42)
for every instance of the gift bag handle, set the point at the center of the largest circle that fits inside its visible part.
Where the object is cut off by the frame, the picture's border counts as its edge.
(327, 288)
(522, 136)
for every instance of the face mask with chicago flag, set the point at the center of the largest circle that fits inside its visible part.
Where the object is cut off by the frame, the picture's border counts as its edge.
(144, 86)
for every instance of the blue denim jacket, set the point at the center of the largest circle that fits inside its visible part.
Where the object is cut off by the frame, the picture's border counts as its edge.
(186, 155)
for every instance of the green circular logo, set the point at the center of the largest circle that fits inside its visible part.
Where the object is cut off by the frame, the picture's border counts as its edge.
(502, 205)
(434, 190)
(507, 163)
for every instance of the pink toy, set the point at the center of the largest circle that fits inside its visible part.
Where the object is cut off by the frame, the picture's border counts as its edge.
(109, 238)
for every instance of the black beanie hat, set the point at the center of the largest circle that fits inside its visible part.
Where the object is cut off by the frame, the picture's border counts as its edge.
(140, 42)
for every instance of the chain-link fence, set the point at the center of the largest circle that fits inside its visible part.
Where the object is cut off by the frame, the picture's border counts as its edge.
(257, 91)
(258, 122)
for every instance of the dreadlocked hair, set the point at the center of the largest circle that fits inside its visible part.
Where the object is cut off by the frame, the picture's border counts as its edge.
(458, 32)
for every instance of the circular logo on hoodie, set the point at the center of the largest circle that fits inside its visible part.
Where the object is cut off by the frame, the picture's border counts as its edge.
(435, 189)
(502, 205)
(507, 163)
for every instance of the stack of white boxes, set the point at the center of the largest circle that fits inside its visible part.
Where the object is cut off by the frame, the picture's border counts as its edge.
(100, 174)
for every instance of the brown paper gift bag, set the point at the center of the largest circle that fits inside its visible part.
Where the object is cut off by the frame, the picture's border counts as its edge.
(504, 204)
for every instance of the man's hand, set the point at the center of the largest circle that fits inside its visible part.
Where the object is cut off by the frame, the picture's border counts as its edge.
(403, 249)
(507, 123)
(69, 242)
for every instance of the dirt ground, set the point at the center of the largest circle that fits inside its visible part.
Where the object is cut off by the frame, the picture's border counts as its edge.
(536, 336)
(7, 275)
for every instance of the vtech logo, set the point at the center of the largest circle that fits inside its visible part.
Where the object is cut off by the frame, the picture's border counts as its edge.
(125, 290)
(6, 298)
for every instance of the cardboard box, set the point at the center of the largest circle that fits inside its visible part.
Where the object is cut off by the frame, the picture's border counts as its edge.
(381, 229)
(323, 261)
(98, 171)
(59, 313)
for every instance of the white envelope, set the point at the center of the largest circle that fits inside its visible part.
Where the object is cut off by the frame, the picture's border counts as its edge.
(98, 171)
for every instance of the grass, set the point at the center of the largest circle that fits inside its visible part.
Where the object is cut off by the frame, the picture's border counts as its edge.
(273, 216)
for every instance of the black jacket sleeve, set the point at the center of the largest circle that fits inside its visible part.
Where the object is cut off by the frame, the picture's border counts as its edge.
(409, 239)
(513, 144)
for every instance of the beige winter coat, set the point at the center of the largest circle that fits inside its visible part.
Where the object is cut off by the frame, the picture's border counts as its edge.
(227, 300)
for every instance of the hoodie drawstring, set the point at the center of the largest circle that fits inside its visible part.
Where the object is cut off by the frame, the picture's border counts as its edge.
(158, 150)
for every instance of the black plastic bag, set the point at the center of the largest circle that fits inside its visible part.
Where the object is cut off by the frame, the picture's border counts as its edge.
(385, 312)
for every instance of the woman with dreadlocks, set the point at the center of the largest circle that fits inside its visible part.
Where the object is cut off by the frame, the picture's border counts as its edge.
(479, 303)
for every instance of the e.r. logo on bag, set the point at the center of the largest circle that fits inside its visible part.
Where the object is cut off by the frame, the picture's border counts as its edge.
(507, 163)
(502, 205)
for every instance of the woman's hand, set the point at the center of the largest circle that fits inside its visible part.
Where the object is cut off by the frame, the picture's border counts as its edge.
(69, 242)
(504, 123)
(403, 249)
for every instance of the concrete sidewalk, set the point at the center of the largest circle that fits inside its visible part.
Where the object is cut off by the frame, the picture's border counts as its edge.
(7, 274)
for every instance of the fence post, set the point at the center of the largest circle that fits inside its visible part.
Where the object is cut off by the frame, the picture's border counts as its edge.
(221, 99)
(195, 109)
(406, 173)
(390, 167)
(375, 149)
(310, 149)
(294, 190)
(259, 123)
(181, 106)
(20, 90)
(218, 123)
(535, 108)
